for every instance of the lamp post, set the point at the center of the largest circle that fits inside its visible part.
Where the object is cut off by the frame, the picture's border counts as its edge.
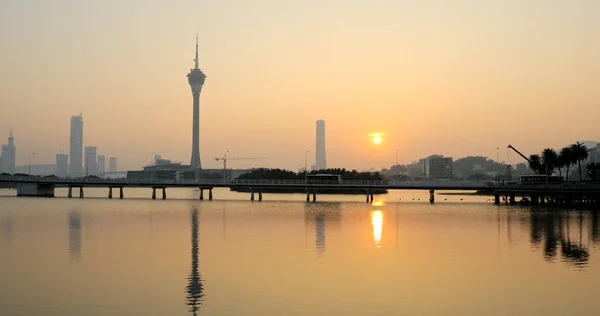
(396, 156)
(306, 166)
(30, 162)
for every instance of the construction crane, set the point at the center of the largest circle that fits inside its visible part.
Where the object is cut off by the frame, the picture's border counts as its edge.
(518, 152)
(225, 159)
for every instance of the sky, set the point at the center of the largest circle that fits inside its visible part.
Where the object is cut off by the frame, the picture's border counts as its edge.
(457, 78)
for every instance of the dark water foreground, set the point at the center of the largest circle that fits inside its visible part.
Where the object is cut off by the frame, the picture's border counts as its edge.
(184, 257)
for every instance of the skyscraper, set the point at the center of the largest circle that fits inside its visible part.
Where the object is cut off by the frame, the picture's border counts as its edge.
(112, 164)
(76, 149)
(101, 164)
(9, 155)
(196, 80)
(320, 160)
(91, 166)
(62, 166)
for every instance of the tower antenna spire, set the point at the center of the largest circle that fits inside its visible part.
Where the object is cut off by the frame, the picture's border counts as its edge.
(196, 59)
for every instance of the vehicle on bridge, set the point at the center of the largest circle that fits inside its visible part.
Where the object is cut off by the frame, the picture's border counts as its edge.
(540, 179)
(323, 178)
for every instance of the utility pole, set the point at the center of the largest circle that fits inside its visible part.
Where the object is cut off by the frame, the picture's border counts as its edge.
(306, 166)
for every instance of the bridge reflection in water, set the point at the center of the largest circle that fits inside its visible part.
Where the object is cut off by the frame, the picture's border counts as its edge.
(195, 288)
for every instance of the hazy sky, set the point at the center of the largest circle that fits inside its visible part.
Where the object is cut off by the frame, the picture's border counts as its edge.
(456, 78)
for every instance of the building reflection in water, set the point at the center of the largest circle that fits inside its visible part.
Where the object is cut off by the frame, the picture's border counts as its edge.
(195, 288)
(377, 223)
(75, 225)
(6, 224)
(562, 232)
(322, 215)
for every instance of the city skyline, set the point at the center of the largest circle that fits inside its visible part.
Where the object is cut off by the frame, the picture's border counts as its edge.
(425, 75)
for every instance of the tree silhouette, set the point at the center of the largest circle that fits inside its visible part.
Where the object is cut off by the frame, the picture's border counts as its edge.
(580, 153)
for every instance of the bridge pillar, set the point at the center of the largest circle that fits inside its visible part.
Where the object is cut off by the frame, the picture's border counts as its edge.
(110, 192)
(154, 193)
(210, 194)
(81, 192)
(497, 198)
(371, 195)
(367, 196)
(70, 194)
(164, 193)
(201, 194)
(314, 196)
(535, 199)
(251, 194)
(121, 193)
(260, 195)
(511, 199)
(431, 196)
(307, 196)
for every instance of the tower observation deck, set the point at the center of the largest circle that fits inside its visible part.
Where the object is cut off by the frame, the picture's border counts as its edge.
(196, 80)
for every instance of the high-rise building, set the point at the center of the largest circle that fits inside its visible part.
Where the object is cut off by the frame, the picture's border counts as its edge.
(320, 160)
(112, 164)
(9, 155)
(101, 164)
(62, 165)
(196, 80)
(91, 165)
(76, 143)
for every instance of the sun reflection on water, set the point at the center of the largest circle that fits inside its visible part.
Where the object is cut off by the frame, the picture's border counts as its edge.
(377, 222)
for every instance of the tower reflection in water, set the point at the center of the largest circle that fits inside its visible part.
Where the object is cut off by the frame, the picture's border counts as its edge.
(194, 289)
(75, 222)
(322, 215)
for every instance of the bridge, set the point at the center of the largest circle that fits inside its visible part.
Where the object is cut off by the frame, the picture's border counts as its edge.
(559, 193)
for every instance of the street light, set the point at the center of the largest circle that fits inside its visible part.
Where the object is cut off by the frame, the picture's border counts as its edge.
(30, 162)
(396, 156)
(306, 166)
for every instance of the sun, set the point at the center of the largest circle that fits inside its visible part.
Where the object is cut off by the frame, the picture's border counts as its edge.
(377, 139)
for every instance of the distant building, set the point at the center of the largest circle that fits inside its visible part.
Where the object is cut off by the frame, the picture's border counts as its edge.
(9, 155)
(594, 154)
(438, 167)
(76, 146)
(320, 159)
(112, 164)
(416, 169)
(101, 164)
(91, 165)
(164, 170)
(62, 165)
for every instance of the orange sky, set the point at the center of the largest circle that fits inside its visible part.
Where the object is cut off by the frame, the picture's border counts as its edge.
(455, 78)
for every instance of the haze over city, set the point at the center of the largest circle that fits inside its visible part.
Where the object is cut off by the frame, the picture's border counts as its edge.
(455, 78)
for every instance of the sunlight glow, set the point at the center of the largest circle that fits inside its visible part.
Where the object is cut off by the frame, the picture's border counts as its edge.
(377, 139)
(377, 222)
(377, 203)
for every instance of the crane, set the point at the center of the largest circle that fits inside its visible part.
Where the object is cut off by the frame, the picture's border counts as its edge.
(520, 154)
(225, 159)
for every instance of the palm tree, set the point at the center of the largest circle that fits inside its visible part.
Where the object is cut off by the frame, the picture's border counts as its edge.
(559, 164)
(535, 163)
(549, 160)
(580, 153)
(566, 156)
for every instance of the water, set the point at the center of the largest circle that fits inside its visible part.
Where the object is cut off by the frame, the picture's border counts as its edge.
(230, 256)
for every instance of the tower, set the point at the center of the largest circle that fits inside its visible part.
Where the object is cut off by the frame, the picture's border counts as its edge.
(196, 80)
(320, 160)
(9, 155)
(76, 146)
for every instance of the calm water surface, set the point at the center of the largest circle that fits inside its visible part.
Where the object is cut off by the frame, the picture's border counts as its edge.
(229, 256)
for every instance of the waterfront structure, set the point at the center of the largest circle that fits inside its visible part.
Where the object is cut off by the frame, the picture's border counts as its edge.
(76, 146)
(62, 165)
(91, 165)
(9, 155)
(320, 159)
(196, 80)
(101, 164)
(112, 164)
